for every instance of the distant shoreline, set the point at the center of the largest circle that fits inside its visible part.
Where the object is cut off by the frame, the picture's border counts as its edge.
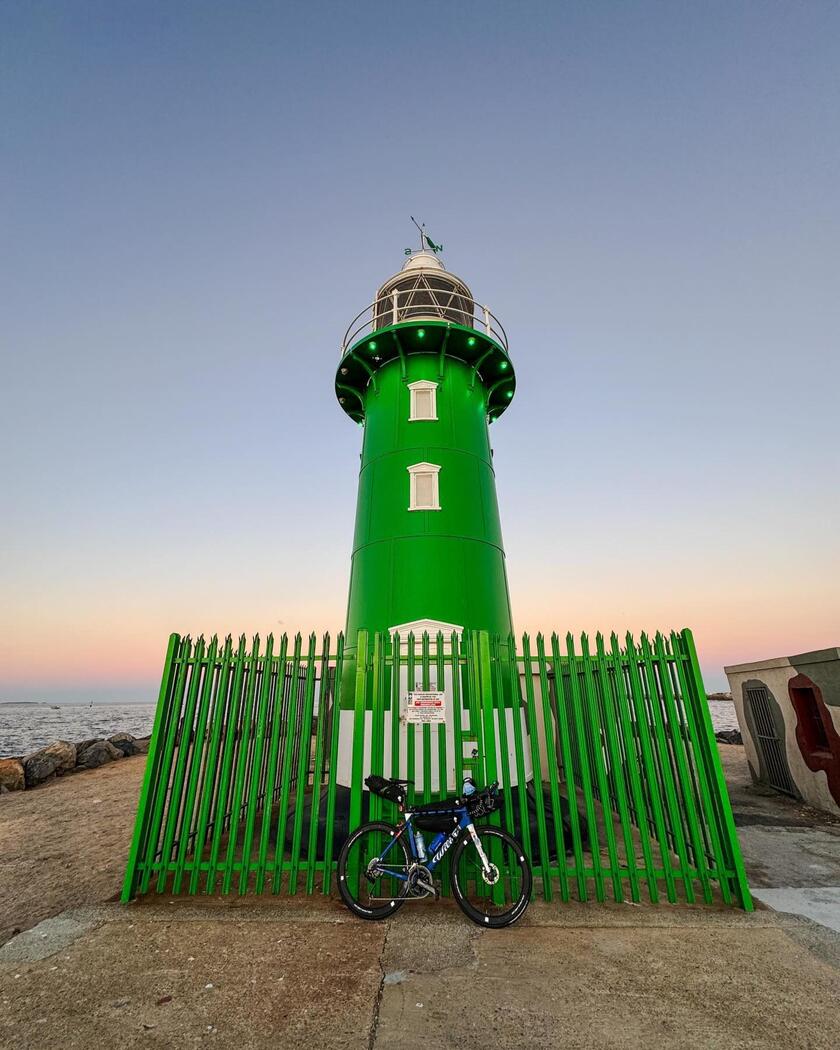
(71, 703)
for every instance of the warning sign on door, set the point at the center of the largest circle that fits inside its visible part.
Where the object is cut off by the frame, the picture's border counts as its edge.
(424, 708)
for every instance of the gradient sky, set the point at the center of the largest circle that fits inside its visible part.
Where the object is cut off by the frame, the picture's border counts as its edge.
(198, 197)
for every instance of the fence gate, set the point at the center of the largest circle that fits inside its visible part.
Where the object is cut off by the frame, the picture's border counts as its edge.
(606, 759)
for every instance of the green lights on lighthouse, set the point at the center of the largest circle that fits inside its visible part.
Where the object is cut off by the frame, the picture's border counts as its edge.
(427, 550)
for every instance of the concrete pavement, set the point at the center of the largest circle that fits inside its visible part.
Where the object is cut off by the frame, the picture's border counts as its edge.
(305, 973)
(791, 852)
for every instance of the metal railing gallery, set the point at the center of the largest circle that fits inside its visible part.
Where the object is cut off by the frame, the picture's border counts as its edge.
(402, 305)
(626, 797)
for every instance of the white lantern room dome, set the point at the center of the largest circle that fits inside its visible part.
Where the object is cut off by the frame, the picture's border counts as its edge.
(424, 290)
(423, 261)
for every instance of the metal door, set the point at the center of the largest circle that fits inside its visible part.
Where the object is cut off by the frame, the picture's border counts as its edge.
(769, 745)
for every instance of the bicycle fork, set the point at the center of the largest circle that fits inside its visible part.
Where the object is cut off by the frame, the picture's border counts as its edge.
(485, 863)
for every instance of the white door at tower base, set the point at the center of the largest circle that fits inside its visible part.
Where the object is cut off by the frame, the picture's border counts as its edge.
(428, 709)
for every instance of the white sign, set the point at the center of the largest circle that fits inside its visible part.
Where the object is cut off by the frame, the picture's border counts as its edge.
(425, 708)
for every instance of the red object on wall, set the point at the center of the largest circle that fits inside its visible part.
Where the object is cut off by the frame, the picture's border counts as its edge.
(816, 736)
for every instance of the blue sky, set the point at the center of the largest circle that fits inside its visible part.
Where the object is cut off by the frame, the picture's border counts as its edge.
(198, 197)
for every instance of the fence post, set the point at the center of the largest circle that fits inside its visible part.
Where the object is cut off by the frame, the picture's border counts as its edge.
(206, 795)
(240, 769)
(173, 807)
(359, 717)
(303, 756)
(160, 785)
(190, 814)
(553, 769)
(534, 739)
(286, 769)
(712, 761)
(318, 766)
(335, 718)
(257, 768)
(141, 823)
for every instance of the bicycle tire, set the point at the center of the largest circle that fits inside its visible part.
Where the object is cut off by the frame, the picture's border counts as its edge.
(345, 876)
(517, 872)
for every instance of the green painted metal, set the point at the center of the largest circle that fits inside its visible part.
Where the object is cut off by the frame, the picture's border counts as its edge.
(486, 358)
(246, 746)
(446, 564)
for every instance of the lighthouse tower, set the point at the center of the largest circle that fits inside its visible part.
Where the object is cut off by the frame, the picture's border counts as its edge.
(425, 370)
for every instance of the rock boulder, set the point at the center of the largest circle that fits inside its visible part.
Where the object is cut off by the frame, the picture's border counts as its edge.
(142, 745)
(49, 762)
(11, 775)
(97, 754)
(125, 742)
(729, 736)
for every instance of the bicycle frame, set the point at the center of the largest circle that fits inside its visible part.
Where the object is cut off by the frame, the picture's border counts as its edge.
(438, 851)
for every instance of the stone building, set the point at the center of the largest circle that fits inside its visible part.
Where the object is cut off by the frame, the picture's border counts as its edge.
(789, 712)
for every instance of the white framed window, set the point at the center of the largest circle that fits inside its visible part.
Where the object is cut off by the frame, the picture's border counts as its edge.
(423, 400)
(423, 487)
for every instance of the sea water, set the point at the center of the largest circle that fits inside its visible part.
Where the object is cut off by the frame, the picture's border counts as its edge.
(26, 727)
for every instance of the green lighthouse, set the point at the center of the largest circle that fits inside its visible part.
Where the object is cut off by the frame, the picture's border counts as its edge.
(425, 370)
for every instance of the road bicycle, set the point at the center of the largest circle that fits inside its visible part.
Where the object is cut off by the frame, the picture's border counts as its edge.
(381, 866)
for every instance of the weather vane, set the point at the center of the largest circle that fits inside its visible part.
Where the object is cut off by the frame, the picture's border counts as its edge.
(425, 240)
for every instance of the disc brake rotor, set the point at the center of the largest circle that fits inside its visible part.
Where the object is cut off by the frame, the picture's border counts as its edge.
(490, 877)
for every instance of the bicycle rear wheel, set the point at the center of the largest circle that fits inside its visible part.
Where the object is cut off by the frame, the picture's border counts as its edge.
(373, 868)
(497, 897)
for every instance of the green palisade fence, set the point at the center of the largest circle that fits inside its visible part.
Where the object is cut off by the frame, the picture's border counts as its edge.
(625, 800)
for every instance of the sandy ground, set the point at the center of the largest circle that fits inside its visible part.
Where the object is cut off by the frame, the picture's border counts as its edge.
(66, 843)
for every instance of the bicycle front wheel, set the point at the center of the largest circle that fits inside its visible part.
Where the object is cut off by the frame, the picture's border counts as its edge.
(373, 868)
(497, 895)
